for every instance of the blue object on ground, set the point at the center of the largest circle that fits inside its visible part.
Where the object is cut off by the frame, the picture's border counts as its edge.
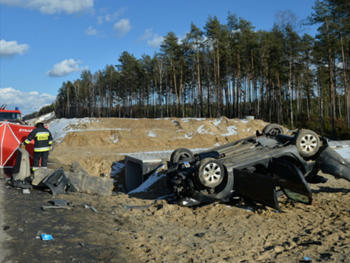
(46, 237)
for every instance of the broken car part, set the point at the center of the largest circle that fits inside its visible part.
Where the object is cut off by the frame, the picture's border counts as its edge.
(58, 183)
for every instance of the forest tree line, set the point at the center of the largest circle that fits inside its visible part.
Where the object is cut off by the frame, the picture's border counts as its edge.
(230, 69)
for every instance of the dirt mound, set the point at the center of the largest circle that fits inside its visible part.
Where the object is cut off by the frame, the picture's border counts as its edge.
(97, 143)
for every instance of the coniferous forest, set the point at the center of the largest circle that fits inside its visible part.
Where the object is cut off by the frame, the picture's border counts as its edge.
(228, 68)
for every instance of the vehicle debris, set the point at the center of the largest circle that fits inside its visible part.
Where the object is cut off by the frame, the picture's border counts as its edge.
(54, 207)
(90, 207)
(79, 180)
(93, 209)
(58, 204)
(61, 202)
(21, 184)
(258, 168)
(58, 183)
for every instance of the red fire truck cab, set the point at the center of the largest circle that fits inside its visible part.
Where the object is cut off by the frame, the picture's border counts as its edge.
(10, 115)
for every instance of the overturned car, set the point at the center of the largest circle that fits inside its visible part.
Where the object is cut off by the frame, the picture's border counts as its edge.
(259, 168)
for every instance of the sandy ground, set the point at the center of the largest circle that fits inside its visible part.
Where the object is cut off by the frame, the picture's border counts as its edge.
(126, 230)
(97, 143)
(137, 228)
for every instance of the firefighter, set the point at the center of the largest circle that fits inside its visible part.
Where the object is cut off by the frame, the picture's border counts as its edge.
(42, 144)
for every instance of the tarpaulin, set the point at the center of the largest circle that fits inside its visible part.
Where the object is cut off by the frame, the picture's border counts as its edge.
(11, 136)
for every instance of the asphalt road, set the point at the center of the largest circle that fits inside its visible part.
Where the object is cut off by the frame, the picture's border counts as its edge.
(75, 230)
(3, 235)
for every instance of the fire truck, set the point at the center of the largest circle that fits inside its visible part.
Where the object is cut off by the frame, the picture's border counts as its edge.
(13, 116)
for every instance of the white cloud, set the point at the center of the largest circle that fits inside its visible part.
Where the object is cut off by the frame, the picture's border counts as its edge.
(153, 40)
(122, 27)
(148, 34)
(93, 32)
(26, 102)
(109, 17)
(64, 68)
(53, 6)
(100, 20)
(11, 48)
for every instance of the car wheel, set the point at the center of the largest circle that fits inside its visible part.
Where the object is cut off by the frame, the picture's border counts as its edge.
(307, 143)
(210, 173)
(180, 154)
(272, 129)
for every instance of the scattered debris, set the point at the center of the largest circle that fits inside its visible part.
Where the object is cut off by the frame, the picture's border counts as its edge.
(22, 184)
(46, 237)
(60, 181)
(38, 234)
(26, 191)
(54, 207)
(90, 207)
(61, 202)
(58, 204)
(93, 209)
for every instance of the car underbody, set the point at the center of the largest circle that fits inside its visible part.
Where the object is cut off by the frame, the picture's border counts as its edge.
(259, 168)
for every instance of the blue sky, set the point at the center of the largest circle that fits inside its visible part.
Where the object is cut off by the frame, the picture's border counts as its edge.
(46, 42)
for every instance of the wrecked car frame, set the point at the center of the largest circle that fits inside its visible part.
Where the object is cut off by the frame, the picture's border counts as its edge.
(259, 168)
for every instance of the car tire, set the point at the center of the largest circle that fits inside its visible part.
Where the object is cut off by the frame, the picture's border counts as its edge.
(180, 154)
(210, 173)
(307, 143)
(272, 129)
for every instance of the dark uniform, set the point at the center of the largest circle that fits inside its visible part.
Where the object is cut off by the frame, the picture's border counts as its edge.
(42, 144)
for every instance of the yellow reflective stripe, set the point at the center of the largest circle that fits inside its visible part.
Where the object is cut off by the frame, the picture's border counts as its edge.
(42, 133)
(43, 149)
(27, 142)
(50, 142)
(42, 136)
